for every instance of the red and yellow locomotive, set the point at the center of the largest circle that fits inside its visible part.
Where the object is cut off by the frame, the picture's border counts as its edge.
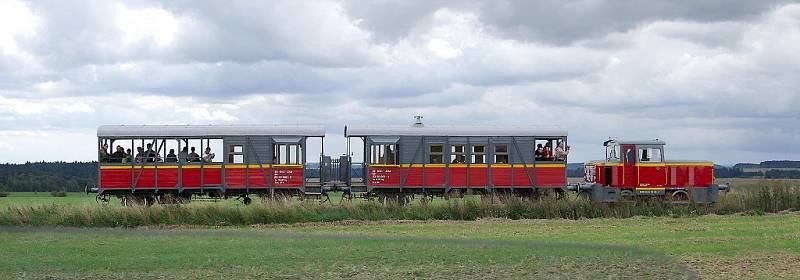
(638, 169)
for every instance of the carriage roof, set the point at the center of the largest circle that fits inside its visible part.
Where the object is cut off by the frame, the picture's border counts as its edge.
(426, 130)
(208, 130)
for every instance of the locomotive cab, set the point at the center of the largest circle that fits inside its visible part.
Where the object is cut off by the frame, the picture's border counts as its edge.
(639, 168)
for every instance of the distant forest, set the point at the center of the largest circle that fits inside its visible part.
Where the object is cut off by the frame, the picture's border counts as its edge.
(47, 176)
(74, 176)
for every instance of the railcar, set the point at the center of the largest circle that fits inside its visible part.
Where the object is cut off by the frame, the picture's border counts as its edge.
(639, 169)
(247, 160)
(400, 161)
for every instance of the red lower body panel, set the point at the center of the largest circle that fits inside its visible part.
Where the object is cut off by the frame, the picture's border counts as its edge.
(194, 177)
(460, 177)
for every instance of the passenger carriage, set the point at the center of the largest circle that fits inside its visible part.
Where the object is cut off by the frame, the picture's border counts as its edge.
(248, 159)
(635, 169)
(436, 160)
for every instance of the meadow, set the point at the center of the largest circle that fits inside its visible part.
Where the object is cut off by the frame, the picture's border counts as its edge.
(753, 233)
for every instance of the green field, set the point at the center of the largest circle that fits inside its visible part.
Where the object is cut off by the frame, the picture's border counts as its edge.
(747, 246)
(765, 247)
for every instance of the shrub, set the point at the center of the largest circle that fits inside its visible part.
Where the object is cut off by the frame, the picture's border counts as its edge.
(58, 193)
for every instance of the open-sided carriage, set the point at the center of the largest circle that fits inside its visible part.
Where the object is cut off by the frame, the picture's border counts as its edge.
(400, 161)
(260, 160)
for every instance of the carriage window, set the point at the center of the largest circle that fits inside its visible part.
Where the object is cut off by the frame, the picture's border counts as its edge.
(500, 153)
(235, 154)
(383, 154)
(650, 155)
(457, 154)
(287, 154)
(436, 153)
(545, 149)
(478, 154)
(118, 151)
(169, 153)
(146, 150)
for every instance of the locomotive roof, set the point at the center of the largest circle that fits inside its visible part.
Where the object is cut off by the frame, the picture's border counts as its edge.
(400, 130)
(208, 130)
(637, 142)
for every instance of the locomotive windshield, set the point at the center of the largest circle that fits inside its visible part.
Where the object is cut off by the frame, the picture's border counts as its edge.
(612, 153)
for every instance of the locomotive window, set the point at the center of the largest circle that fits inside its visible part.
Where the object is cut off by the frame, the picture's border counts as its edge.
(650, 155)
(500, 153)
(478, 154)
(436, 153)
(457, 154)
(629, 155)
(613, 153)
(383, 154)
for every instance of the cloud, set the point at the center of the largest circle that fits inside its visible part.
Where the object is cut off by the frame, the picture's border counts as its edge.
(712, 78)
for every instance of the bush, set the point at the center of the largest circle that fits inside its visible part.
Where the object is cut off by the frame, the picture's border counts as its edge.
(3, 194)
(58, 193)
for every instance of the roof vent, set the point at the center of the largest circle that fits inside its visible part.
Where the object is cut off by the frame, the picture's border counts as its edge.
(418, 122)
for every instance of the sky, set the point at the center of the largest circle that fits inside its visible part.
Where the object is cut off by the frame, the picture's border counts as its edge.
(717, 80)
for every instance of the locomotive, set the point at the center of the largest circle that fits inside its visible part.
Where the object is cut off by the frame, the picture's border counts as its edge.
(635, 169)
(399, 163)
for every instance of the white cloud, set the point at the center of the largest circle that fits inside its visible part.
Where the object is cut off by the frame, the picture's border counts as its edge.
(16, 19)
(695, 81)
(148, 23)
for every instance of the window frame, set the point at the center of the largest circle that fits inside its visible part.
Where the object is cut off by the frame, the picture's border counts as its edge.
(454, 154)
(431, 153)
(475, 155)
(496, 154)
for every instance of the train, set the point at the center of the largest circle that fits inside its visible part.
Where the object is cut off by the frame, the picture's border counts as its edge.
(398, 164)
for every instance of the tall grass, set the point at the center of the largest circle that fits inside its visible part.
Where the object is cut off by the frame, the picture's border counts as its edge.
(754, 200)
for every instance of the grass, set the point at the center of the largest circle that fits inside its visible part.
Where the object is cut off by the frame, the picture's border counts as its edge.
(757, 238)
(714, 247)
(756, 200)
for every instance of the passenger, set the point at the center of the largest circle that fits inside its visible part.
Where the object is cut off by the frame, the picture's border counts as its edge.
(171, 157)
(194, 157)
(140, 155)
(127, 157)
(104, 153)
(183, 156)
(118, 155)
(208, 155)
(151, 155)
(547, 154)
(539, 153)
(562, 151)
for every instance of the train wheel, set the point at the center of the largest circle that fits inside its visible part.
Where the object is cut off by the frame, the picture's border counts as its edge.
(627, 196)
(679, 197)
(584, 195)
(246, 200)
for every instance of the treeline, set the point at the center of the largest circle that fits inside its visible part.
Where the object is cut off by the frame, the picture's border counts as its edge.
(47, 176)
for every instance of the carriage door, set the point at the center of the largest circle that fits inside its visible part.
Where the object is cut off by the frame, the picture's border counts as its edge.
(651, 167)
(629, 173)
